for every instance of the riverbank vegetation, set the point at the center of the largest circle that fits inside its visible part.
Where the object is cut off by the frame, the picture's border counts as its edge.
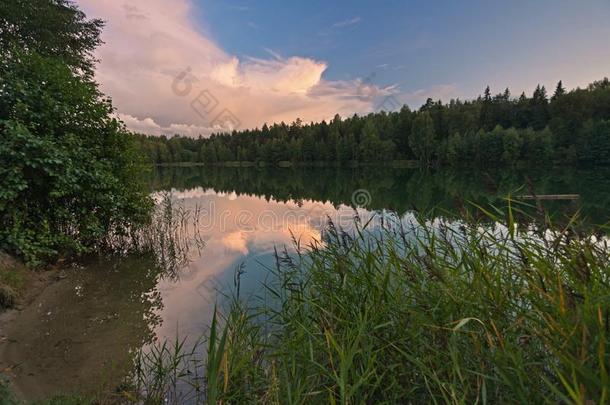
(569, 126)
(70, 174)
(415, 312)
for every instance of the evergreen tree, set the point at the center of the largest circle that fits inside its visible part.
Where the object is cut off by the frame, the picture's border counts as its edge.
(423, 137)
(486, 118)
(539, 108)
(559, 91)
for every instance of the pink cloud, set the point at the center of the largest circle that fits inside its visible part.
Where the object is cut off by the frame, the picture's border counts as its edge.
(150, 44)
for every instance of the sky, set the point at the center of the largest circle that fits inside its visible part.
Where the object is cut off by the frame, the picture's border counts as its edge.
(194, 67)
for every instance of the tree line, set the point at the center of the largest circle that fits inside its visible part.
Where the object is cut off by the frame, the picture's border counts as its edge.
(569, 126)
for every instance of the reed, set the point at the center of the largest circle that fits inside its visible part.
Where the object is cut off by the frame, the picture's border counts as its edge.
(423, 312)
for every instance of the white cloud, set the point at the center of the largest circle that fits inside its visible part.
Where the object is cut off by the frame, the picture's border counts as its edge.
(347, 23)
(165, 74)
(150, 127)
(443, 92)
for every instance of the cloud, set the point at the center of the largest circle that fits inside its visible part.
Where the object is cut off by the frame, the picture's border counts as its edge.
(165, 74)
(418, 97)
(236, 242)
(347, 23)
(150, 127)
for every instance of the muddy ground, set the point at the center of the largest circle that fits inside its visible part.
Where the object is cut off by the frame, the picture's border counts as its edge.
(74, 330)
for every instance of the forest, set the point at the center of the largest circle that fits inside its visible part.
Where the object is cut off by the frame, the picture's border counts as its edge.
(568, 127)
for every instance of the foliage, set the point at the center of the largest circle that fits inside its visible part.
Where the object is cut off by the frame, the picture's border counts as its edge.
(489, 131)
(67, 400)
(422, 137)
(6, 397)
(69, 177)
(12, 280)
(53, 28)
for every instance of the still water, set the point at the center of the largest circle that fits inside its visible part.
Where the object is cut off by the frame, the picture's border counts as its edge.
(245, 214)
(80, 333)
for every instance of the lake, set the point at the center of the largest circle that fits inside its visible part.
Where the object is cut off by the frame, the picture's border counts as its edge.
(227, 225)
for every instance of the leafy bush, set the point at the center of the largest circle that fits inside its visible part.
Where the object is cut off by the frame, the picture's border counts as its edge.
(69, 175)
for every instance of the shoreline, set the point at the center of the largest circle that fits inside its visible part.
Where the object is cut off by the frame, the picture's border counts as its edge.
(70, 335)
(33, 284)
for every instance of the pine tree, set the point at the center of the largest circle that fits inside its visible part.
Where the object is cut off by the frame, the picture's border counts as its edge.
(559, 91)
(423, 137)
(540, 113)
(486, 118)
(487, 94)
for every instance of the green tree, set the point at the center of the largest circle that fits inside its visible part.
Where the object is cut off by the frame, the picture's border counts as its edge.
(370, 145)
(454, 149)
(512, 143)
(486, 120)
(539, 108)
(52, 28)
(482, 125)
(594, 142)
(70, 172)
(559, 91)
(423, 137)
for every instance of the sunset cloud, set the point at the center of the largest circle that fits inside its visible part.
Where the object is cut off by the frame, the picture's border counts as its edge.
(166, 75)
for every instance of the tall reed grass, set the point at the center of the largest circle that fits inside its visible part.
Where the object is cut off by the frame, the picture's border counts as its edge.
(171, 237)
(430, 313)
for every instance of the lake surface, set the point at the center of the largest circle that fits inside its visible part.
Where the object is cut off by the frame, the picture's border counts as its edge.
(248, 213)
(229, 222)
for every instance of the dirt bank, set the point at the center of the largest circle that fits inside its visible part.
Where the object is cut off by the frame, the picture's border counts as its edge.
(74, 330)
(19, 286)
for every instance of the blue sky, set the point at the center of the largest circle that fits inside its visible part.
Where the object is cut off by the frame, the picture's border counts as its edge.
(419, 44)
(270, 61)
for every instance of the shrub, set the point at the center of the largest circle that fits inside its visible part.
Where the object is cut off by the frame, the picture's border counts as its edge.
(69, 174)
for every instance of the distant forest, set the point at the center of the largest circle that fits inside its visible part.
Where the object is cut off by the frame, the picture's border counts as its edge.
(567, 127)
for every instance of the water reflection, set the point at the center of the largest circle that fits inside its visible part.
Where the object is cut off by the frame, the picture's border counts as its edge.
(246, 213)
(446, 191)
(239, 233)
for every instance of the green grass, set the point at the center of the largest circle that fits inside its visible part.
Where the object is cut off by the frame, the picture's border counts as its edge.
(451, 313)
(6, 397)
(68, 400)
(12, 277)
(12, 281)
